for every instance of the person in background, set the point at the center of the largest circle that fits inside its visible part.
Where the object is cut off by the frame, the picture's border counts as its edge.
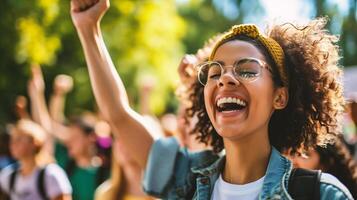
(188, 76)
(334, 159)
(75, 144)
(350, 125)
(125, 179)
(36, 176)
(5, 156)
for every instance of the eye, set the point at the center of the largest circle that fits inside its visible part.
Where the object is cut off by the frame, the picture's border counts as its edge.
(247, 74)
(247, 69)
(214, 71)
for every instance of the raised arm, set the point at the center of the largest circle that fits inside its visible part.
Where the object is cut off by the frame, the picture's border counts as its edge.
(21, 107)
(61, 86)
(107, 86)
(39, 109)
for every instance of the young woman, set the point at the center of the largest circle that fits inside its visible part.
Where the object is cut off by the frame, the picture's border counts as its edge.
(24, 182)
(256, 96)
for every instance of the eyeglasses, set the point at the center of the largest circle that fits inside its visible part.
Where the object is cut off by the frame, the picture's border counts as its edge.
(244, 70)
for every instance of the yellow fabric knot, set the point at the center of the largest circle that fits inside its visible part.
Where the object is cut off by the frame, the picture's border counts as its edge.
(249, 30)
(270, 44)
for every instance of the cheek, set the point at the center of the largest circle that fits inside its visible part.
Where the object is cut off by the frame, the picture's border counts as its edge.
(261, 96)
(22, 149)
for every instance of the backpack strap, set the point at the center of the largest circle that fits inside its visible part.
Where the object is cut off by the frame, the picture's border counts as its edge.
(70, 167)
(41, 184)
(13, 176)
(304, 184)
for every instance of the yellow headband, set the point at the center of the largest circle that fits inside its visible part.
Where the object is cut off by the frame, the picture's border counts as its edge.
(270, 44)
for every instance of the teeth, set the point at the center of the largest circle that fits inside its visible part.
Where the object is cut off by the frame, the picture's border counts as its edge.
(230, 100)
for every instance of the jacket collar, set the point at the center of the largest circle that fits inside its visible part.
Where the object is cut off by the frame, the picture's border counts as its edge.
(277, 169)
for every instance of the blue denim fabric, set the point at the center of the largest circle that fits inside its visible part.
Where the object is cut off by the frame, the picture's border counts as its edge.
(174, 173)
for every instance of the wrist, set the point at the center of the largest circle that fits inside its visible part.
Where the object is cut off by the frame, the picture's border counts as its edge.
(59, 93)
(88, 29)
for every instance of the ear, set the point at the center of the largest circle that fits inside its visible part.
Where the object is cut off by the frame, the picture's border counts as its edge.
(281, 97)
(37, 147)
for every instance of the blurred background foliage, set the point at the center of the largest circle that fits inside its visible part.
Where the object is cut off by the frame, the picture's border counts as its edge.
(146, 39)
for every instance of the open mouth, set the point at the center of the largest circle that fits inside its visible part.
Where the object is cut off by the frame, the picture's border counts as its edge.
(229, 104)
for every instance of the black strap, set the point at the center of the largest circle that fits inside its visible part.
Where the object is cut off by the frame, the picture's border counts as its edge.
(41, 184)
(304, 184)
(70, 167)
(13, 176)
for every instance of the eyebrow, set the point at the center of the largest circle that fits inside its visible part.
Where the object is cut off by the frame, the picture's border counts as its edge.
(220, 62)
(235, 61)
(238, 60)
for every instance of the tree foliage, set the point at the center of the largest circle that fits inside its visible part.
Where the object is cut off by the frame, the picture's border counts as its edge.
(146, 38)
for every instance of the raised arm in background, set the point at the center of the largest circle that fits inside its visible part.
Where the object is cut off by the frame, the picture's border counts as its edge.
(36, 87)
(61, 86)
(107, 86)
(21, 107)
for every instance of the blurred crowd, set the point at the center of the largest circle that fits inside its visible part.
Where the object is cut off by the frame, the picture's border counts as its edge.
(79, 157)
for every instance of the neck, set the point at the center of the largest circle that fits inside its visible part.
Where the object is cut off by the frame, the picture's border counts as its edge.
(247, 158)
(27, 166)
(83, 161)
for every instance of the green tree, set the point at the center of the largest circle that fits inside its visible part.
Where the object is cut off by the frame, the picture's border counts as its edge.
(349, 36)
(143, 38)
(344, 24)
(206, 18)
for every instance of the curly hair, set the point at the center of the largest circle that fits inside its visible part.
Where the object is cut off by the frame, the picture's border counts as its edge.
(336, 160)
(312, 115)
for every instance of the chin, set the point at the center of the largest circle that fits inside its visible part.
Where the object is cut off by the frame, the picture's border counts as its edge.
(231, 133)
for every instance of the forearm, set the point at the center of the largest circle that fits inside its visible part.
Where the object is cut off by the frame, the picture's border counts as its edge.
(56, 107)
(39, 111)
(107, 86)
(34, 111)
(54, 129)
(111, 95)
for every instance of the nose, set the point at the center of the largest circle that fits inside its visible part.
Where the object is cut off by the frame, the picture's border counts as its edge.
(228, 79)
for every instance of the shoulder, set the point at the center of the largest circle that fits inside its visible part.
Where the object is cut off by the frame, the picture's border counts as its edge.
(331, 187)
(7, 171)
(170, 149)
(54, 170)
(169, 166)
(5, 177)
(56, 180)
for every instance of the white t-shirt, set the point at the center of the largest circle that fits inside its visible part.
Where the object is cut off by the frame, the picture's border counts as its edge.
(226, 191)
(25, 187)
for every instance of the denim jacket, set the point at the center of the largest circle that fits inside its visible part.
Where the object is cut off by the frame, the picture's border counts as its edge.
(174, 173)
